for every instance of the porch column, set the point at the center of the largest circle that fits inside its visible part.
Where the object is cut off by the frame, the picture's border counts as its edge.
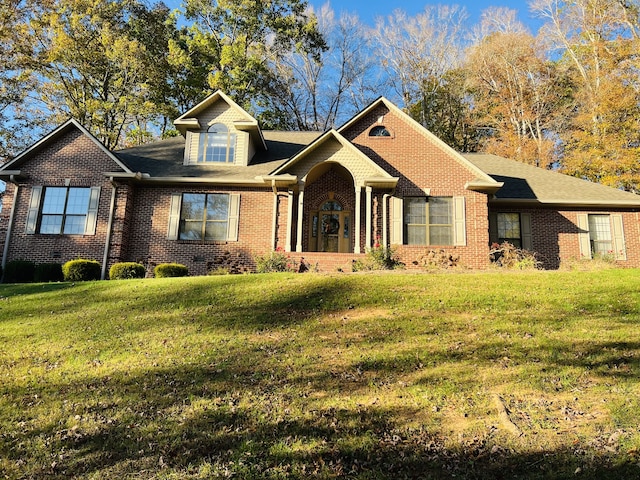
(300, 212)
(356, 248)
(287, 246)
(385, 200)
(368, 219)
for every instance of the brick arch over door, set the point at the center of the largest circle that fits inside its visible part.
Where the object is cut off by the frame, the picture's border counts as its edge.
(336, 182)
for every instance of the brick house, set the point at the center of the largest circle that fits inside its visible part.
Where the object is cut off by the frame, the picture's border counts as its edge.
(225, 191)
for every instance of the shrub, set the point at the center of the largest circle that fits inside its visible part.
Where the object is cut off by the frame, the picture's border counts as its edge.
(438, 260)
(378, 258)
(81, 270)
(507, 255)
(126, 270)
(164, 270)
(275, 261)
(48, 272)
(19, 271)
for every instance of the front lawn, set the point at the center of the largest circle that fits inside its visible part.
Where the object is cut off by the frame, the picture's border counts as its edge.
(283, 376)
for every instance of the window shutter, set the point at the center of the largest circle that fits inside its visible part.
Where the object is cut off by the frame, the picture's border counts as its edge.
(525, 231)
(188, 139)
(459, 223)
(234, 217)
(583, 235)
(174, 216)
(34, 207)
(493, 228)
(618, 237)
(92, 211)
(396, 220)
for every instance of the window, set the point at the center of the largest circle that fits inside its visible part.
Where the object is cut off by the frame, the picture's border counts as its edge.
(63, 210)
(217, 145)
(204, 216)
(509, 229)
(379, 131)
(428, 221)
(600, 235)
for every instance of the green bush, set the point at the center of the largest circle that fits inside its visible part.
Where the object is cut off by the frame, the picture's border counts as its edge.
(170, 270)
(126, 270)
(81, 270)
(48, 272)
(19, 271)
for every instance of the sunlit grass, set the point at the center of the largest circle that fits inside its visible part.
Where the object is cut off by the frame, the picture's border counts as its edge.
(319, 376)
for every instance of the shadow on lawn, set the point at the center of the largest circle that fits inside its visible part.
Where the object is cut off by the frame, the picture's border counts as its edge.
(186, 420)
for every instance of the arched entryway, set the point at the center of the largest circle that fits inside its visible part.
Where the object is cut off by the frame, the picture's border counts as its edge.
(329, 205)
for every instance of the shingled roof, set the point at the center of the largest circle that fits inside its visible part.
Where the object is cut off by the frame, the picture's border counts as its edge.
(527, 184)
(165, 158)
(523, 184)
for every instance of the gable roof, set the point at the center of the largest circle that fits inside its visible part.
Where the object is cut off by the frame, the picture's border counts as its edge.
(529, 185)
(245, 122)
(381, 178)
(9, 169)
(483, 182)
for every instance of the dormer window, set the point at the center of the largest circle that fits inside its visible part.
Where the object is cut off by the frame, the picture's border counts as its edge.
(217, 145)
(379, 131)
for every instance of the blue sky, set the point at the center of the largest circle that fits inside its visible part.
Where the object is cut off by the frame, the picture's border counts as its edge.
(368, 10)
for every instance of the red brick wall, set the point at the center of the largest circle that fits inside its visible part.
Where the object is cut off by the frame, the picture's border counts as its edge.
(72, 159)
(148, 241)
(420, 163)
(554, 235)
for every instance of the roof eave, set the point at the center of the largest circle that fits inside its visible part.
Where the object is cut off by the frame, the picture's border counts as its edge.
(253, 129)
(12, 176)
(173, 180)
(557, 203)
(483, 186)
(381, 182)
(285, 180)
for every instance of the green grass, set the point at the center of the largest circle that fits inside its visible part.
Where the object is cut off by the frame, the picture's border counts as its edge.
(286, 376)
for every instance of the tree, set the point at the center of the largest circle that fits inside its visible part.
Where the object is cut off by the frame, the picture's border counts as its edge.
(16, 79)
(237, 38)
(598, 42)
(322, 92)
(516, 94)
(96, 67)
(418, 55)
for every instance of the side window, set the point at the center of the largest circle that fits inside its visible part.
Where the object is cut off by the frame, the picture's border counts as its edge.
(63, 210)
(601, 234)
(508, 225)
